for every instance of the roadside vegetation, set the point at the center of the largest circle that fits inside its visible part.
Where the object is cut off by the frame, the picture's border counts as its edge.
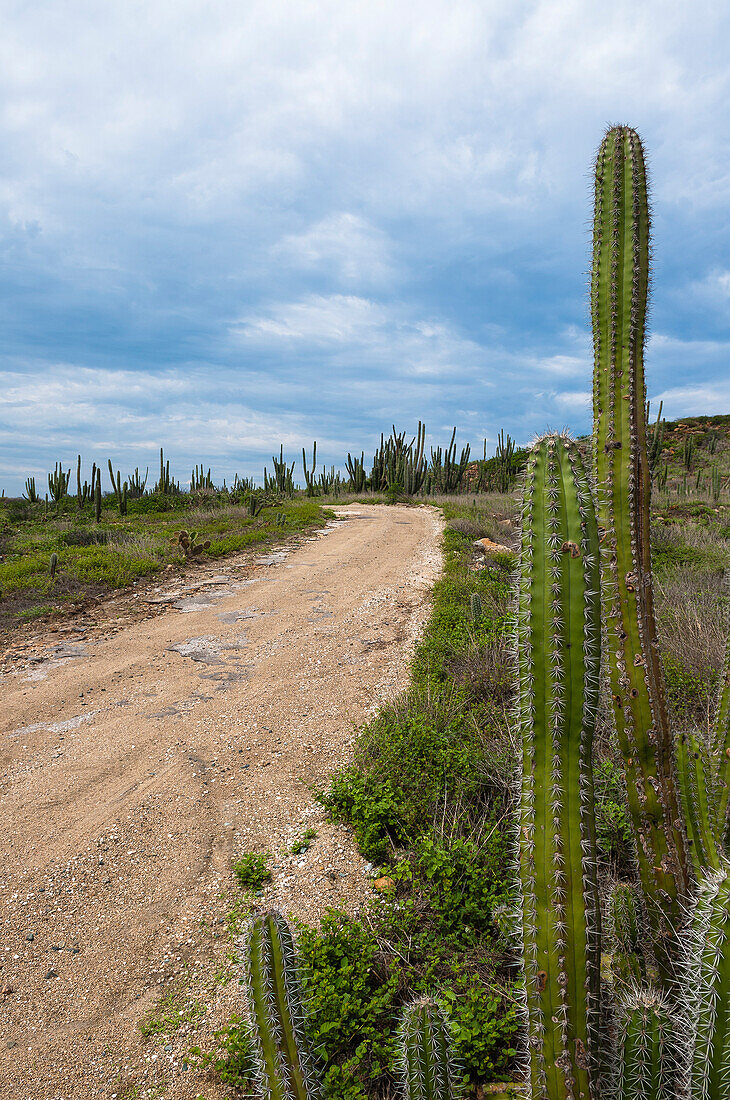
(52, 558)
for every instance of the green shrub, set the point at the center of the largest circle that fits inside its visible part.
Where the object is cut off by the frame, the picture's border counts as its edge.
(252, 870)
(613, 827)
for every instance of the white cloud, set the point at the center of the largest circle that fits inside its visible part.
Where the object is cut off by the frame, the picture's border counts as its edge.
(369, 333)
(344, 246)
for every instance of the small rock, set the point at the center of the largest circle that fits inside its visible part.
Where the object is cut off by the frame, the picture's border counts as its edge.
(384, 885)
(6, 990)
(52, 973)
(30, 937)
(488, 547)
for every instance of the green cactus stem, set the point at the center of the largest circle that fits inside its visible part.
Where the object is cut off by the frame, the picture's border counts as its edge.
(706, 988)
(619, 285)
(721, 738)
(694, 779)
(558, 651)
(284, 1068)
(646, 1068)
(475, 607)
(53, 565)
(624, 927)
(426, 1065)
(97, 497)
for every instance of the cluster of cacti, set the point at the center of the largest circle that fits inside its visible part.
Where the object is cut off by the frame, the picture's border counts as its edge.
(58, 483)
(166, 485)
(199, 480)
(119, 489)
(673, 924)
(356, 472)
(85, 492)
(446, 472)
(282, 482)
(505, 463)
(31, 494)
(137, 484)
(399, 466)
(188, 543)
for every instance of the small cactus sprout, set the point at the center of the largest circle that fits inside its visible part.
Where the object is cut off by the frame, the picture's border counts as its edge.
(475, 607)
(283, 1065)
(558, 656)
(646, 1066)
(706, 987)
(53, 565)
(426, 1065)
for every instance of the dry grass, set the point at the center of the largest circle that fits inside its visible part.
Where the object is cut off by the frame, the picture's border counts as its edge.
(692, 621)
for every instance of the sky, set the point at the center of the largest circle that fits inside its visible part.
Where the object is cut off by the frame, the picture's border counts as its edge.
(226, 226)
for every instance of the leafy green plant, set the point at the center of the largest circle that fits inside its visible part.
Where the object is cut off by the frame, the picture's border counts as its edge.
(252, 870)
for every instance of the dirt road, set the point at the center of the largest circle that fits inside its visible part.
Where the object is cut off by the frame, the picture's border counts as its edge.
(142, 756)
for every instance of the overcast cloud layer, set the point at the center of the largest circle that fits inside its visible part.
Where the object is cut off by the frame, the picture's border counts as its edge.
(228, 226)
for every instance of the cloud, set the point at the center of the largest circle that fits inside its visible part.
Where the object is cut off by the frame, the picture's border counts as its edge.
(343, 247)
(305, 220)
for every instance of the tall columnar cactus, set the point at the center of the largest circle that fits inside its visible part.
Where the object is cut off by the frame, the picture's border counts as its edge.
(646, 1047)
(619, 284)
(558, 649)
(97, 497)
(426, 1065)
(284, 1068)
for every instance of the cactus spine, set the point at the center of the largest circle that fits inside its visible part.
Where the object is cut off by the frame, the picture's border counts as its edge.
(558, 651)
(619, 285)
(645, 1047)
(426, 1065)
(283, 1064)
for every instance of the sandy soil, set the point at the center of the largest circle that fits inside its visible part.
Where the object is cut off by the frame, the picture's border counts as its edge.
(147, 745)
